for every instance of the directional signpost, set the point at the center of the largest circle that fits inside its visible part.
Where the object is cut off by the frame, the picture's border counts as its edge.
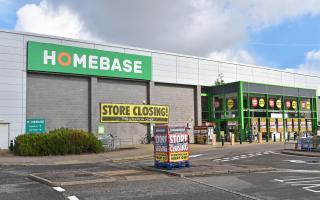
(35, 126)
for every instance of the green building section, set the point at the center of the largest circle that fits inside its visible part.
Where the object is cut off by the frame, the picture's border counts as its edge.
(245, 108)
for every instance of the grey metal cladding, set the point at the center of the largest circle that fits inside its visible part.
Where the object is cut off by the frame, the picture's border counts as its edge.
(232, 87)
(245, 87)
(216, 90)
(306, 92)
(61, 100)
(289, 91)
(226, 88)
(275, 89)
(257, 88)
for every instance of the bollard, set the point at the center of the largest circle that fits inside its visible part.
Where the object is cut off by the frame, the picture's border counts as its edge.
(232, 139)
(260, 137)
(267, 138)
(214, 139)
(250, 139)
(222, 141)
(288, 136)
(240, 139)
(274, 137)
(11, 145)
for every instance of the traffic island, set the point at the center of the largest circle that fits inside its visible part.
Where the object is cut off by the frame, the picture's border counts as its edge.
(82, 177)
(208, 168)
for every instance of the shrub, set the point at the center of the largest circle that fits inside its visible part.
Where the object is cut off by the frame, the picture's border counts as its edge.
(57, 142)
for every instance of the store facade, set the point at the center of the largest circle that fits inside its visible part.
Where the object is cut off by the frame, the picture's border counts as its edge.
(247, 108)
(48, 82)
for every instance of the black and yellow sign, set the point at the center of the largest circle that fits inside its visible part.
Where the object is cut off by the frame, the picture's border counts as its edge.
(134, 113)
(294, 105)
(230, 103)
(179, 156)
(278, 104)
(262, 103)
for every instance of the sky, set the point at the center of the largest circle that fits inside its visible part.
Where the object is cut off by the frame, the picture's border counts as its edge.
(279, 34)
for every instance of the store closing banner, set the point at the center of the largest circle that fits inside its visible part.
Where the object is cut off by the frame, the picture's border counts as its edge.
(134, 113)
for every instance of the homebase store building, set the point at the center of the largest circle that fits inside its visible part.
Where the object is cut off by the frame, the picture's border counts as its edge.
(50, 82)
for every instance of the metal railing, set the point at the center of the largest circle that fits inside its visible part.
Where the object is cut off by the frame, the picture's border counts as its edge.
(111, 142)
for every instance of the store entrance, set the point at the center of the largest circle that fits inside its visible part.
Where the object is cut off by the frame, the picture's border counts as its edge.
(229, 127)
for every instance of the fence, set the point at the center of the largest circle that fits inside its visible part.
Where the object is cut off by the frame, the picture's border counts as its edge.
(111, 142)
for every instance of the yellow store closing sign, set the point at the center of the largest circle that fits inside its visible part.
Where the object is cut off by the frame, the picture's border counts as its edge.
(133, 113)
(261, 103)
(294, 105)
(308, 105)
(230, 103)
(179, 156)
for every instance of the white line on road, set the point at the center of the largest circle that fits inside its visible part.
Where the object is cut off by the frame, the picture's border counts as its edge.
(194, 156)
(310, 182)
(223, 189)
(73, 198)
(298, 179)
(313, 186)
(59, 189)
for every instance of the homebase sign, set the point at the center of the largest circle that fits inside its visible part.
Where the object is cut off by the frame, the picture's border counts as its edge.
(74, 60)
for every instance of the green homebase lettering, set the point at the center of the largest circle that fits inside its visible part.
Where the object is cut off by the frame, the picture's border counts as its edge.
(46, 57)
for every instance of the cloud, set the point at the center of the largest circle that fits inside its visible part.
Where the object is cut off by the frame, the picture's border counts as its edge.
(311, 65)
(233, 55)
(197, 27)
(45, 19)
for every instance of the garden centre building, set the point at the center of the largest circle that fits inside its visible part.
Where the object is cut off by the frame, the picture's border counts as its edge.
(49, 82)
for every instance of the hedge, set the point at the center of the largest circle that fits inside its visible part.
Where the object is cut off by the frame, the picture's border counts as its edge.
(57, 142)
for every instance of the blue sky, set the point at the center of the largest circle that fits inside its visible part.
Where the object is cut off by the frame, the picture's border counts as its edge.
(253, 32)
(286, 44)
(8, 9)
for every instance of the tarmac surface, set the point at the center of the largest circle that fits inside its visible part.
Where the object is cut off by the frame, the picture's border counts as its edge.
(247, 171)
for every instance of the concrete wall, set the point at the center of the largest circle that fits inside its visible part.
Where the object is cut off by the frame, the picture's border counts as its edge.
(181, 100)
(61, 100)
(122, 91)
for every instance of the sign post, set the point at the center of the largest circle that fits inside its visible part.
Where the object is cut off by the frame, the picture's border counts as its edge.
(35, 126)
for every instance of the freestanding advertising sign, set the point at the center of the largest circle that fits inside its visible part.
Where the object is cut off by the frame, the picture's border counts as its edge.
(171, 148)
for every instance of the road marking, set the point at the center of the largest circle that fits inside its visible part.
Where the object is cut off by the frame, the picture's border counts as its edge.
(194, 156)
(308, 188)
(244, 156)
(223, 189)
(73, 198)
(303, 162)
(297, 179)
(59, 189)
(308, 183)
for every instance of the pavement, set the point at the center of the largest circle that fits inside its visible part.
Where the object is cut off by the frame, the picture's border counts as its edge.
(139, 152)
(301, 153)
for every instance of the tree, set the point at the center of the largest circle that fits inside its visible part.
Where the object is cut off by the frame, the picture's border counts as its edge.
(219, 80)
